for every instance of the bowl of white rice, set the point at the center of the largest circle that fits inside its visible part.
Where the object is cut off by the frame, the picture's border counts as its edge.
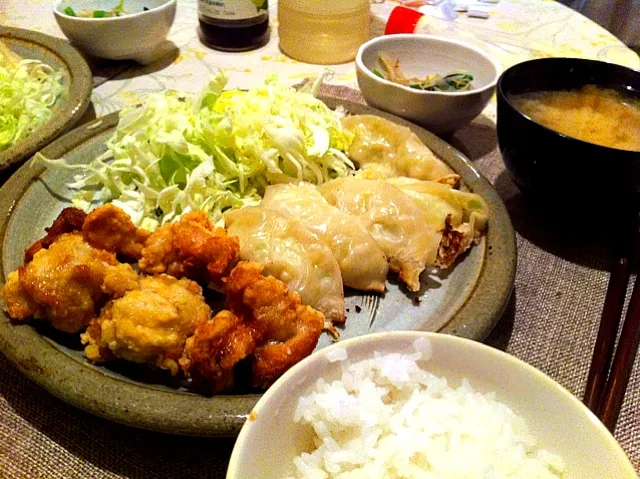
(422, 405)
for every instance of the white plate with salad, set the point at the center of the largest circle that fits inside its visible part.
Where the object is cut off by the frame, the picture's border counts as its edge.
(466, 300)
(45, 87)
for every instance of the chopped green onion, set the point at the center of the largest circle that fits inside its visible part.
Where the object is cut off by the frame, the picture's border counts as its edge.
(377, 73)
(100, 14)
(69, 11)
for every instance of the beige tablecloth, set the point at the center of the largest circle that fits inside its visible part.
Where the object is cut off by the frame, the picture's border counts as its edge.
(551, 321)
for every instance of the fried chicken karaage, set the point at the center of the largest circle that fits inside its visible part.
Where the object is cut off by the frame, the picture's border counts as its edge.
(110, 228)
(191, 247)
(149, 320)
(264, 321)
(159, 317)
(214, 350)
(68, 221)
(61, 284)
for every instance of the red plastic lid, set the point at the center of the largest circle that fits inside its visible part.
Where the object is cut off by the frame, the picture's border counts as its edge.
(402, 20)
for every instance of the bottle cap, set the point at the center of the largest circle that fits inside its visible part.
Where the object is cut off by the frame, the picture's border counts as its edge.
(402, 20)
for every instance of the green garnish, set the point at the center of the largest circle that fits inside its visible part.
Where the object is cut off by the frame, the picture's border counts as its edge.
(119, 10)
(377, 73)
(89, 13)
(455, 82)
(452, 82)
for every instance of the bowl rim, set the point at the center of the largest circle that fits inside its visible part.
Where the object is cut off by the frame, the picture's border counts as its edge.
(58, 12)
(428, 38)
(504, 97)
(373, 339)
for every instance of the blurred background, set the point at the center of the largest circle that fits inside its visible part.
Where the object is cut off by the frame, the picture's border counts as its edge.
(620, 17)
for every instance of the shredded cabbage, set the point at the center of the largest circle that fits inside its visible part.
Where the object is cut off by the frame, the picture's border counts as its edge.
(213, 151)
(29, 90)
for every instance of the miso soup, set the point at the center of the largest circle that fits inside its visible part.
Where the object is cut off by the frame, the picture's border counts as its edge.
(593, 114)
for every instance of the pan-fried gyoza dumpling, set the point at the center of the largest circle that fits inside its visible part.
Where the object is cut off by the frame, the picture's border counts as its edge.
(291, 253)
(459, 215)
(438, 200)
(391, 217)
(381, 142)
(362, 262)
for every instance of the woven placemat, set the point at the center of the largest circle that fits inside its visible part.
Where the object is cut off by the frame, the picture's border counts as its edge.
(551, 323)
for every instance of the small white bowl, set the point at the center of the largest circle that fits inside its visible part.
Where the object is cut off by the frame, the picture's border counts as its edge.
(139, 36)
(561, 424)
(419, 56)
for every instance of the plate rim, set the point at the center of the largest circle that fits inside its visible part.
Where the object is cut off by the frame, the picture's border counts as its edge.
(188, 413)
(63, 118)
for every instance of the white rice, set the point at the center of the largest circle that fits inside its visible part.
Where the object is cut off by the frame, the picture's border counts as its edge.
(389, 418)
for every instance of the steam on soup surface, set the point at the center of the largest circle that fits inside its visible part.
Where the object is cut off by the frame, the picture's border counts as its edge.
(597, 115)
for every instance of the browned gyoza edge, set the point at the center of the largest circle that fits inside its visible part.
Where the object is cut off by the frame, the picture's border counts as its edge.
(33, 197)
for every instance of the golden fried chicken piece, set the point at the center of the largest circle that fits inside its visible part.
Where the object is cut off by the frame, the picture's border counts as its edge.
(148, 322)
(191, 247)
(264, 319)
(216, 347)
(61, 284)
(289, 329)
(120, 279)
(18, 304)
(110, 228)
(68, 221)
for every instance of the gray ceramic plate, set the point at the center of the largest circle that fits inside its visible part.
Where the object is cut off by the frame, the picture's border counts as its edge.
(466, 301)
(61, 56)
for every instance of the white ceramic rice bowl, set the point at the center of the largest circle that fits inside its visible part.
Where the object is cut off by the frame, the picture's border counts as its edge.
(421, 55)
(270, 440)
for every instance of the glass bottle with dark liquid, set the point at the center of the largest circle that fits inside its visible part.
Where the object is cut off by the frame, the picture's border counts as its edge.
(233, 25)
